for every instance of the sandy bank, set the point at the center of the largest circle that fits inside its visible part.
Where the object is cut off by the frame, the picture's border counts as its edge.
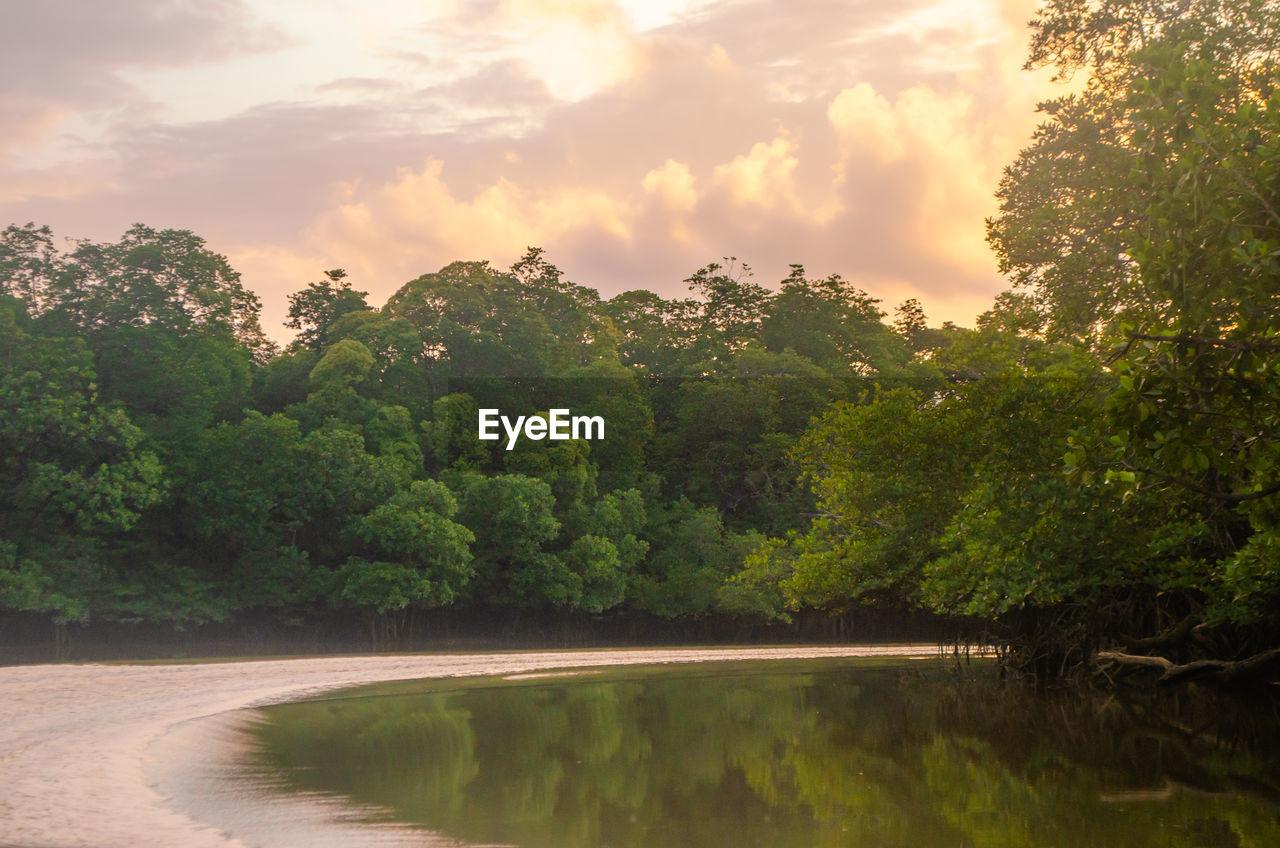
(74, 738)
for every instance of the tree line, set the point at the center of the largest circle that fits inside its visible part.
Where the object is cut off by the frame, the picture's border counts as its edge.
(1092, 468)
(164, 462)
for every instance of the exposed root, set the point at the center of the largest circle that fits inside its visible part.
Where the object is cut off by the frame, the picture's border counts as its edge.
(1259, 667)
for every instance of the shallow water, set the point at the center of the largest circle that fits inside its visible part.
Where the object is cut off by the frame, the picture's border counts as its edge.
(813, 753)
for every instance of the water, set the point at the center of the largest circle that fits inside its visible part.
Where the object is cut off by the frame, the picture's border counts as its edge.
(814, 753)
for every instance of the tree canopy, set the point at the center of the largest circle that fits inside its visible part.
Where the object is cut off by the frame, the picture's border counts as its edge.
(1094, 467)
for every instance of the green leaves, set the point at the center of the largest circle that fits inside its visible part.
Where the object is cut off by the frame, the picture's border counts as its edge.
(314, 310)
(415, 528)
(1142, 220)
(73, 472)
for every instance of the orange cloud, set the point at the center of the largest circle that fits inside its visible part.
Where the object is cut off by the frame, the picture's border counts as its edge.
(674, 186)
(576, 47)
(762, 177)
(864, 139)
(416, 222)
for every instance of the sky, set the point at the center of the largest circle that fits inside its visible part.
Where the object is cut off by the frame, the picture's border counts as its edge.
(633, 141)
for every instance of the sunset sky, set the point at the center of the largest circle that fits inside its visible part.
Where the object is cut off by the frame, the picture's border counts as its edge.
(634, 141)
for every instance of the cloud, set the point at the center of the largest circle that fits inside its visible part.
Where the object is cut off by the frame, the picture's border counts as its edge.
(360, 85)
(417, 218)
(864, 118)
(58, 56)
(803, 49)
(937, 136)
(50, 46)
(762, 177)
(574, 48)
(697, 157)
(857, 137)
(505, 98)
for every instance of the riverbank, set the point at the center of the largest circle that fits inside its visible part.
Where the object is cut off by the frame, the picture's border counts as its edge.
(30, 638)
(75, 739)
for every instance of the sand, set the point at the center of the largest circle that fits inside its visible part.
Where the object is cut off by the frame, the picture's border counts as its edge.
(79, 743)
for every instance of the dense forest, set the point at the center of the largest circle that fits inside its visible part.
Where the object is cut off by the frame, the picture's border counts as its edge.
(1093, 470)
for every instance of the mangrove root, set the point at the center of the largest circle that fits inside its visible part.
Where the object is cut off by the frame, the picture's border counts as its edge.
(1265, 665)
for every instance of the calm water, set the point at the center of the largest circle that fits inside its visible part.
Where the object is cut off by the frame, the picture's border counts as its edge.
(827, 753)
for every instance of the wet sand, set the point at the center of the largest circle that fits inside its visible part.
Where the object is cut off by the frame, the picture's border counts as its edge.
(81, 745)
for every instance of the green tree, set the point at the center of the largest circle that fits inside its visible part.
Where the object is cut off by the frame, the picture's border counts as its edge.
(449, 438)
(654, 334)
(73, 474)
(1142, 220)
(729, 439)
(732, 306)
(887, 476)
(512, 517)
(165, 279)
(414, 555)
(690, 555)
(29, 264)
(832, 323)
(314, 310)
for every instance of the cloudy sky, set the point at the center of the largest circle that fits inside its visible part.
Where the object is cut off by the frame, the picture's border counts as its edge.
(635, 140)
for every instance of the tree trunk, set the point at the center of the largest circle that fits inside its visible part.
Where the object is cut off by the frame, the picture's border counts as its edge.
(61, 641)
(1257, 668)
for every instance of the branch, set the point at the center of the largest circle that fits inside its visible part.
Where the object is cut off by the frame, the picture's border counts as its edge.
(1135, 660)
(1173, 636)
(1222, 672)
(1216, 494)
(865, 522)
(1249, 186)
(1206, 341)
(1120, 353)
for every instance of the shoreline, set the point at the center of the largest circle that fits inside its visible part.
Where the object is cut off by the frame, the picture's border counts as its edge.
(81, 745)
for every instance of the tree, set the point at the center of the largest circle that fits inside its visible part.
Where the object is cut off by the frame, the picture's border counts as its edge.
(606, 548)
(834, 324)
(28, 264)
(314, 310)
(690, 556)
(654, 334)
(1078, 200)
(173, 331)
(478, 322)
(449, 438)
(336, 381)
(887, 476)
(1197, 407)
(73, 473)
(732, 306)
(570, 310)
(513, 519)
(1142, 221)
(165, 279)
(731, 434)
(415, 554)
(609, 389)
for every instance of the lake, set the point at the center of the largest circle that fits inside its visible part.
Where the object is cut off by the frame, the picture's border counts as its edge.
(784, 753)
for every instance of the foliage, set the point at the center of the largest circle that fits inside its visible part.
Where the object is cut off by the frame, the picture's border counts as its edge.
(415, 527)
(314, 310)
(1095, 464)
(73, 472)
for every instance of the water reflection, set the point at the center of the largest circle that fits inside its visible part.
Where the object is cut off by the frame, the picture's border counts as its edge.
(821, 754)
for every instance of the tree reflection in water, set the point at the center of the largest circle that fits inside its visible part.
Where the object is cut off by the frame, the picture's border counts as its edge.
(815, 754)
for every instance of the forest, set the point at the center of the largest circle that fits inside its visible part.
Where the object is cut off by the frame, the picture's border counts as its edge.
(1091, 472)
